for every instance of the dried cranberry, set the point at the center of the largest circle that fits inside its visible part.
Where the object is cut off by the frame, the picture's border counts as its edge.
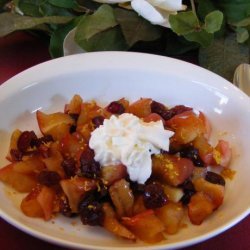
(189, 190)
(69, 167)
(16, 155)
(24, 140)
(158, 108)
(37, 142)
(137, 188)
(165, 113)
(185, 199)
(116, 108)
(48, 178)
(97, 121)
(92, 214)
(72, 129)
(91, 169)
(187, 186)
(102, 192)
(192, 153)
(44, 151)
(87, 156)
(215, 178)
(154, 196)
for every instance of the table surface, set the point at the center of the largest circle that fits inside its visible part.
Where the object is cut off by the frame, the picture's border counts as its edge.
(20, 51)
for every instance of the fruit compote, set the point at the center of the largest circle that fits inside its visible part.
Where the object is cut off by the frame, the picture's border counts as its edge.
(63, 174)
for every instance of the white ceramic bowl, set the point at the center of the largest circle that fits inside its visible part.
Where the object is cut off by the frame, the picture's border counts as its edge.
(108, 76)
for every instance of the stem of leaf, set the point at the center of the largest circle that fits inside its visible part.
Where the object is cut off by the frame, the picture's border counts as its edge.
(193, 7)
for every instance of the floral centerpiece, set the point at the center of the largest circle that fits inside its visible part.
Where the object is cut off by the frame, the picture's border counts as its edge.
(217, 30)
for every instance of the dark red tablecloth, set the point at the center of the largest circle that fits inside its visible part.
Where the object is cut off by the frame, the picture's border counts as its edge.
(20, 51)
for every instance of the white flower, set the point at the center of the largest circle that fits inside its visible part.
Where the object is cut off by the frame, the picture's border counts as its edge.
(155, 11)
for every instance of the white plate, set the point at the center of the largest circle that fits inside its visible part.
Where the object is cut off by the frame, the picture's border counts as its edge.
(107, 76)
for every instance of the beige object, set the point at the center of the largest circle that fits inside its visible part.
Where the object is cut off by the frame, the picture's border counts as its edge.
(242, 77)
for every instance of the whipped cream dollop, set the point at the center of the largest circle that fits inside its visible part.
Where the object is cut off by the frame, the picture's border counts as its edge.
(127, 140)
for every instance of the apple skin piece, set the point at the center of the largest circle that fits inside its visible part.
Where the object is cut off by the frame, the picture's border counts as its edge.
(171, 169)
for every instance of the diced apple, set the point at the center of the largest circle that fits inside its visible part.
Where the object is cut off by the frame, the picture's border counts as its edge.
(72, 146)
(207, 125)
(205, 149)
(146, 226)
(173, 193)
(122, 197)
(153, 117)
(214, 191)
(39, 202)
(187, 126)
(113, 173)
(199, 208)
(171, 215)
(74, 106)
(31, 166)
(139, 206)
(54, 161)
(141, 108)
(170, 169)
(76, 188)
(48, 122)
(113, 225)
(222, 153)
(89, 110)
(13, 143)
(20, 182)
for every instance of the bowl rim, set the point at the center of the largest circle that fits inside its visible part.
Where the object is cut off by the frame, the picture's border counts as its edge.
(51, 68)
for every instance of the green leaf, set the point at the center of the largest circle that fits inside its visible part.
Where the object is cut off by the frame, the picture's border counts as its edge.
(213, 21)
(11, 22)
(184, 22)
(243, 23)
(57, 38)
(177, 45)
(204, 8)
(234, 10)
(29, 7)
(107, 40)
(91, 25)
(68, 4)
(136, 28)
(242, 35)
(224, 55)
(202, 37)
(46, 9)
